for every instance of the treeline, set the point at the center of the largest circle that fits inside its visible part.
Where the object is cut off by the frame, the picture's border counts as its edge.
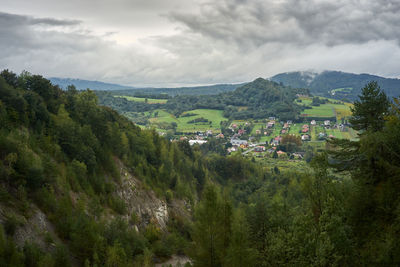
(195, 90)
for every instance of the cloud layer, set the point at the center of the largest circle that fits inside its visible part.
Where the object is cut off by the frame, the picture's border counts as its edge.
(211, 42)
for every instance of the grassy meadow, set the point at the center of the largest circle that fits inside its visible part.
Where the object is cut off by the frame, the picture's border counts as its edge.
(213, 116)
(141, 99)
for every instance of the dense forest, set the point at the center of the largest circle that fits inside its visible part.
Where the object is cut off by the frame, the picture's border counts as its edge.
(61, 152)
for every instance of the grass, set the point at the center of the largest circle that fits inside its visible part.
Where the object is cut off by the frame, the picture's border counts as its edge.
(142, 99)
(329, 109)
(213, 116)
(324, 110)
(284, 165)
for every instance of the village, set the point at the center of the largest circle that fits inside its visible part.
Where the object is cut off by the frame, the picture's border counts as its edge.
(271, 137)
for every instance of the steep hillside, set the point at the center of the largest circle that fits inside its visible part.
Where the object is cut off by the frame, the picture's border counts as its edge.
(336, 84)
(81, 184)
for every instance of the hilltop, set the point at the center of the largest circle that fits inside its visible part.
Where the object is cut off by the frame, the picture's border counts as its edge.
(85, 84)
(336, 84)
(132, 91)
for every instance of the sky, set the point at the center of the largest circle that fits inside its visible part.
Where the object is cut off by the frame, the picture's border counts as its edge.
(192, 42)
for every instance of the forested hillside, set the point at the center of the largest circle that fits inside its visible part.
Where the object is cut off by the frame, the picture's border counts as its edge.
(258, 99)
(68, 159)
(336, 84)
(99, 191)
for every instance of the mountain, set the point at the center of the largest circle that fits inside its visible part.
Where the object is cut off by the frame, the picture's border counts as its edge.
(195, 90)
(131, 91)
(84, 84)
(260, 98)
(336, 84)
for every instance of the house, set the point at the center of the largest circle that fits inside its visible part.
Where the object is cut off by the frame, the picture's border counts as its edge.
(265, 133)
(259, 149)
(270, 124)
(304, 130)
(289, 122)
(305, 137)
(286, 125)
(313, 123)
(321, 136)
(234, 126)
(209, 132)
(271, 150)
(271, 118)
(241, 131)
(238, 142)
(280, 153)
(200, 142)
(327, 123)
(258, 132)
(220, 136)
(276, 141)
(283, 131)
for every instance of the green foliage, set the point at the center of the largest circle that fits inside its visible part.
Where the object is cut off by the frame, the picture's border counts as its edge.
(369, 112)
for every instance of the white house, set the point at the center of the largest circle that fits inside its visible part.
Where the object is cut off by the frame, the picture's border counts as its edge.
(200, 142)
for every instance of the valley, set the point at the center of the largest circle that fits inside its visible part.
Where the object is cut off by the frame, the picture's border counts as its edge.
(253, 175)
(322, 118)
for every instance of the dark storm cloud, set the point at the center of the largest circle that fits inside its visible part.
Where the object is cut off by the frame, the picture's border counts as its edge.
(301, 22)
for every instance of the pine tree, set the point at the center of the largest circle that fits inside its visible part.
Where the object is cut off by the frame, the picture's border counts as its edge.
(211, 229)
(369, 112)
(240, 252)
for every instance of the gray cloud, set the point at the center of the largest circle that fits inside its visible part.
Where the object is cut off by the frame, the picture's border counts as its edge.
(11, 20)
(302, 22)
(212, 42)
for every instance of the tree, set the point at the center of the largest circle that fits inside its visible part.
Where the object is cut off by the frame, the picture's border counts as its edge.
(370, 110)
(239, 251)
(211, 229)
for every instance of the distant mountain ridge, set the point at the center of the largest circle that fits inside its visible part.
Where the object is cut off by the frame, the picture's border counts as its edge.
(129, 90)
(84, 84)
(336, 84)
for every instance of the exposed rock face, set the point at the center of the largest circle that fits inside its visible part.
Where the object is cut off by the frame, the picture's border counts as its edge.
(141, 201)
(32, 228)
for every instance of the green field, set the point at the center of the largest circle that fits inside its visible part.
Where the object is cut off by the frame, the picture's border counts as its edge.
(345, 89)
(141, 99)
(326, 110)
(213, 116)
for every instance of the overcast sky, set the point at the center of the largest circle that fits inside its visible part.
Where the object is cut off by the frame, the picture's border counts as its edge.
(187, 42)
